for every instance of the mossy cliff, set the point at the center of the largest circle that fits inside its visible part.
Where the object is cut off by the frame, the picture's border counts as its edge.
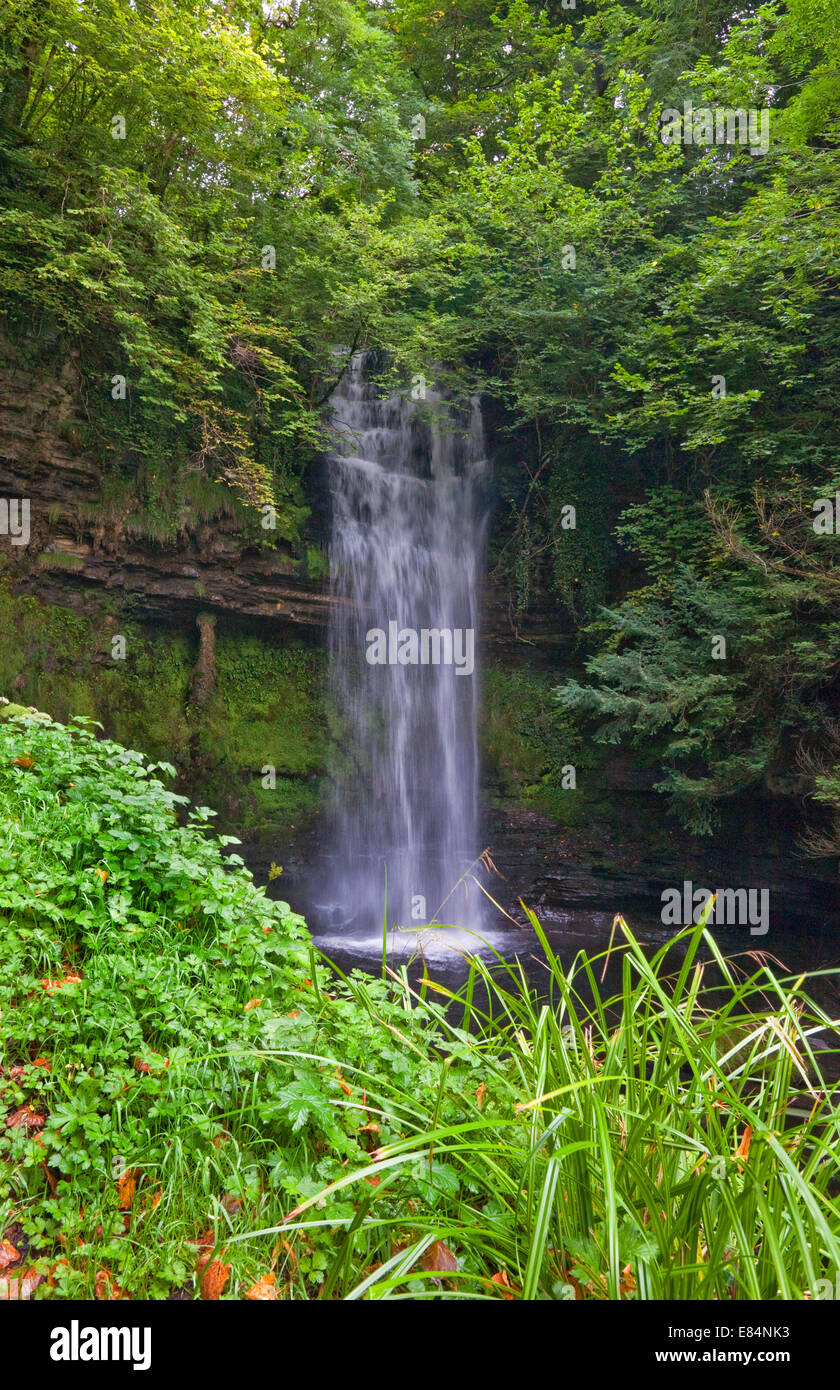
(261, 704)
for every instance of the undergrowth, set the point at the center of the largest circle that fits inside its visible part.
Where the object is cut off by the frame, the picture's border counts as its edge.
(195, 1105)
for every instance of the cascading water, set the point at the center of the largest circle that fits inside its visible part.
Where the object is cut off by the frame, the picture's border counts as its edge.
(406, 562)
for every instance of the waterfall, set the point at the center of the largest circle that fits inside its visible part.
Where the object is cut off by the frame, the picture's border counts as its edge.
(408, 524)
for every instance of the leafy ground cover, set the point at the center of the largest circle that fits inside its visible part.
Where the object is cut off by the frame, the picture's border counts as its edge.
(193, 1105)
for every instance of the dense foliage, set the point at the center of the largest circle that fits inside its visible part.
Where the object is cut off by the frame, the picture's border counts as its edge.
(207, 200)
(192, 1104)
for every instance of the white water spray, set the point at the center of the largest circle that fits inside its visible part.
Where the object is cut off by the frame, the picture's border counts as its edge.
(406, 560)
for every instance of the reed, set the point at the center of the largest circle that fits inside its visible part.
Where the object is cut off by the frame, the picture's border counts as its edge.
(676, 1139)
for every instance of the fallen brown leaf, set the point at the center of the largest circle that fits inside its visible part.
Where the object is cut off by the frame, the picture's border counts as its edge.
(9, 1254)
(107, 1287)
(506, 1288)
(127, 1187)
(479, 1098)
(439, 1259)
(55, 1270)
(26, 1118)
(264, 1290)
(213, 1280)
(20, 1286)
(52, 985)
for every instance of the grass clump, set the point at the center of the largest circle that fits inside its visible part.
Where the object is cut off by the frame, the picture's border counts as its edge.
(666, 1142)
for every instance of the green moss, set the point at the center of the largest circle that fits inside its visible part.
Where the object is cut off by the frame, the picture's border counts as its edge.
(528, 741)
(316, 565)
(267, 707)
(12, 711)
(267, 712)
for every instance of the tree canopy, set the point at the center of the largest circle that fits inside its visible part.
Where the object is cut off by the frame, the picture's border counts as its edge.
(207, 199)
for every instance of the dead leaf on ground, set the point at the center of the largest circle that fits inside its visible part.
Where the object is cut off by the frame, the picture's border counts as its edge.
(127, 1187)
(69, 979)
(479, 1095)
(213, 1280)
(107, 1287)
(505, 1287)
(206, 1241)
(283, 1245)
(264, 1290)
(252, 1004)
(56, 1270)
(20, 1286)
(572, 1282)
(141, 1066)
(9, 1254)
(25, 1117)
(231, 1204)
(50, 1176)
(439, 1259)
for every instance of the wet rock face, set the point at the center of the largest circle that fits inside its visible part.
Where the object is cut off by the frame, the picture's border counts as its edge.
(77, 550)
(169, 583)
(625, 864)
